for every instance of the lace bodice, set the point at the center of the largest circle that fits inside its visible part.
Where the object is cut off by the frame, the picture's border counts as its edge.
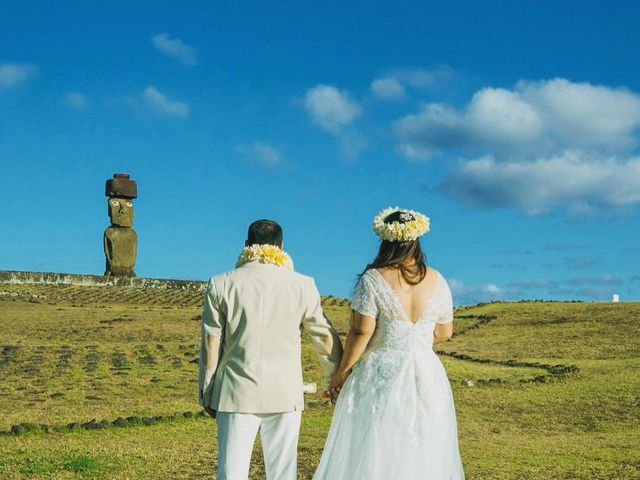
(374, 297)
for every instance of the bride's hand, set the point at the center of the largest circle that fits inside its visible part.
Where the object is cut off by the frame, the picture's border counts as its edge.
(333, 390)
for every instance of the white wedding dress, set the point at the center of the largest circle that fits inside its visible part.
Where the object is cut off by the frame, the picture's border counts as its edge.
(395, 417)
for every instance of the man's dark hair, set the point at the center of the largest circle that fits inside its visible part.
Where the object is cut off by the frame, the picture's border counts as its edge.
(264, 232)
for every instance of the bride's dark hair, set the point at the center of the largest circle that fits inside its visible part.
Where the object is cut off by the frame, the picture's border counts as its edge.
(395, 254)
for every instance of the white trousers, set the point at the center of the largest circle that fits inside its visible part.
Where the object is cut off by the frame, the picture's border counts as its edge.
(279, 435)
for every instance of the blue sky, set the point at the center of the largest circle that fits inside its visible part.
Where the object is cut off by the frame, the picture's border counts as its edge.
(514, 126)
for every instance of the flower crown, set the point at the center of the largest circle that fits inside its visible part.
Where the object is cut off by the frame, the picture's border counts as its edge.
(415, 225)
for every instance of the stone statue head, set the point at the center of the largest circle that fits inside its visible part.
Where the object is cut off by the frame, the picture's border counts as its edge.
(120, 211)
(121, 190)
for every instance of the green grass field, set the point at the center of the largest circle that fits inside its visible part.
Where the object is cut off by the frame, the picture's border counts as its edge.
(100, 382)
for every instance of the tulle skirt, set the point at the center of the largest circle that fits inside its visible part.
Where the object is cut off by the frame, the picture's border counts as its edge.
(394, 419)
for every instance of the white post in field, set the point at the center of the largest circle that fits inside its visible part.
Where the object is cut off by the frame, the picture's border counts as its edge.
(616, 297)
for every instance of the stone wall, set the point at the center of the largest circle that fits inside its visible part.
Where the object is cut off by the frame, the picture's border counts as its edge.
(52, 278)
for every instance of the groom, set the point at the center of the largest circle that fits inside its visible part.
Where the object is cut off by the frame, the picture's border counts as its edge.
(250, 374)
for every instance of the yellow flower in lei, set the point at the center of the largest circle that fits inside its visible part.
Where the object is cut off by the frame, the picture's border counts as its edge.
(265, 254)
(415, 225)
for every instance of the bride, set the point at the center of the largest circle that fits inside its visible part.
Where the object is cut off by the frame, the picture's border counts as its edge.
(394, 415)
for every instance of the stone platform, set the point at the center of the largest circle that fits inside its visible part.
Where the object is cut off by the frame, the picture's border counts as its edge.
(52, 278)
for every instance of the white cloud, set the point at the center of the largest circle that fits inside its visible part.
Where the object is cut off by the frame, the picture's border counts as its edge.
(536, 146)
(598, 287)
(591, 286)
(14, 74)
(464, 294)
(330, 108)
(159, 102)
(585, 115)
(261, 154)
(535, 117)
(573, 179)
(388, 88)
(393, 85)
(174, 48)
(437, 127)
(495, 118)
(498, 116)
(423, 78)
(76, 100)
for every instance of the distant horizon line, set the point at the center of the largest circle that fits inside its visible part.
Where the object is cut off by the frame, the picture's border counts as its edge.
(89, 279)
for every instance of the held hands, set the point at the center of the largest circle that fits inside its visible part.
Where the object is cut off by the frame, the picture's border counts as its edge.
(335, 385)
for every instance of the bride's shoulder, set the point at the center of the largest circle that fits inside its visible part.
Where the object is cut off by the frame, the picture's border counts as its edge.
(369, 272)
(440, 277)
(434, 271)
(368, 279)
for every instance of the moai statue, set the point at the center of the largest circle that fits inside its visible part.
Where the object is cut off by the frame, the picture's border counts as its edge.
(120, 239)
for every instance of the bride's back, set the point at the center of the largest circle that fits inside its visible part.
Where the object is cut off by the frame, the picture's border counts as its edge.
(412, 298)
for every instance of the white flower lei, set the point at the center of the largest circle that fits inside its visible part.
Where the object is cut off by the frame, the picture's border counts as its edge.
(397, 231)
(265, 254)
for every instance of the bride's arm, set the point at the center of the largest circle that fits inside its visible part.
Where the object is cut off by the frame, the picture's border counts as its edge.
(361, 331)
(442, 332)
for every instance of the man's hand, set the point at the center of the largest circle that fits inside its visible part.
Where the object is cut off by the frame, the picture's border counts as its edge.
(210, 411)
(333, 390)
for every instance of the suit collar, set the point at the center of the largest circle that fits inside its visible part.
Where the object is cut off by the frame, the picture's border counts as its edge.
(256, 263)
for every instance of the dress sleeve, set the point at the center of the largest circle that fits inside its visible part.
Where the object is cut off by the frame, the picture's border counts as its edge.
(363, 300)
(446, 314)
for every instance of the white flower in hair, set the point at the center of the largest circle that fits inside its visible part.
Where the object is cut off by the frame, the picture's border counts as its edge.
(414, 225)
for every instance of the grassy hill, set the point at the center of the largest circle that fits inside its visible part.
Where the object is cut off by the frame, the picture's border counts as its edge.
(99, 382)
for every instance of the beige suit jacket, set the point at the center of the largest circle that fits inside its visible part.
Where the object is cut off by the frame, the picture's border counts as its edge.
(259, 311)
